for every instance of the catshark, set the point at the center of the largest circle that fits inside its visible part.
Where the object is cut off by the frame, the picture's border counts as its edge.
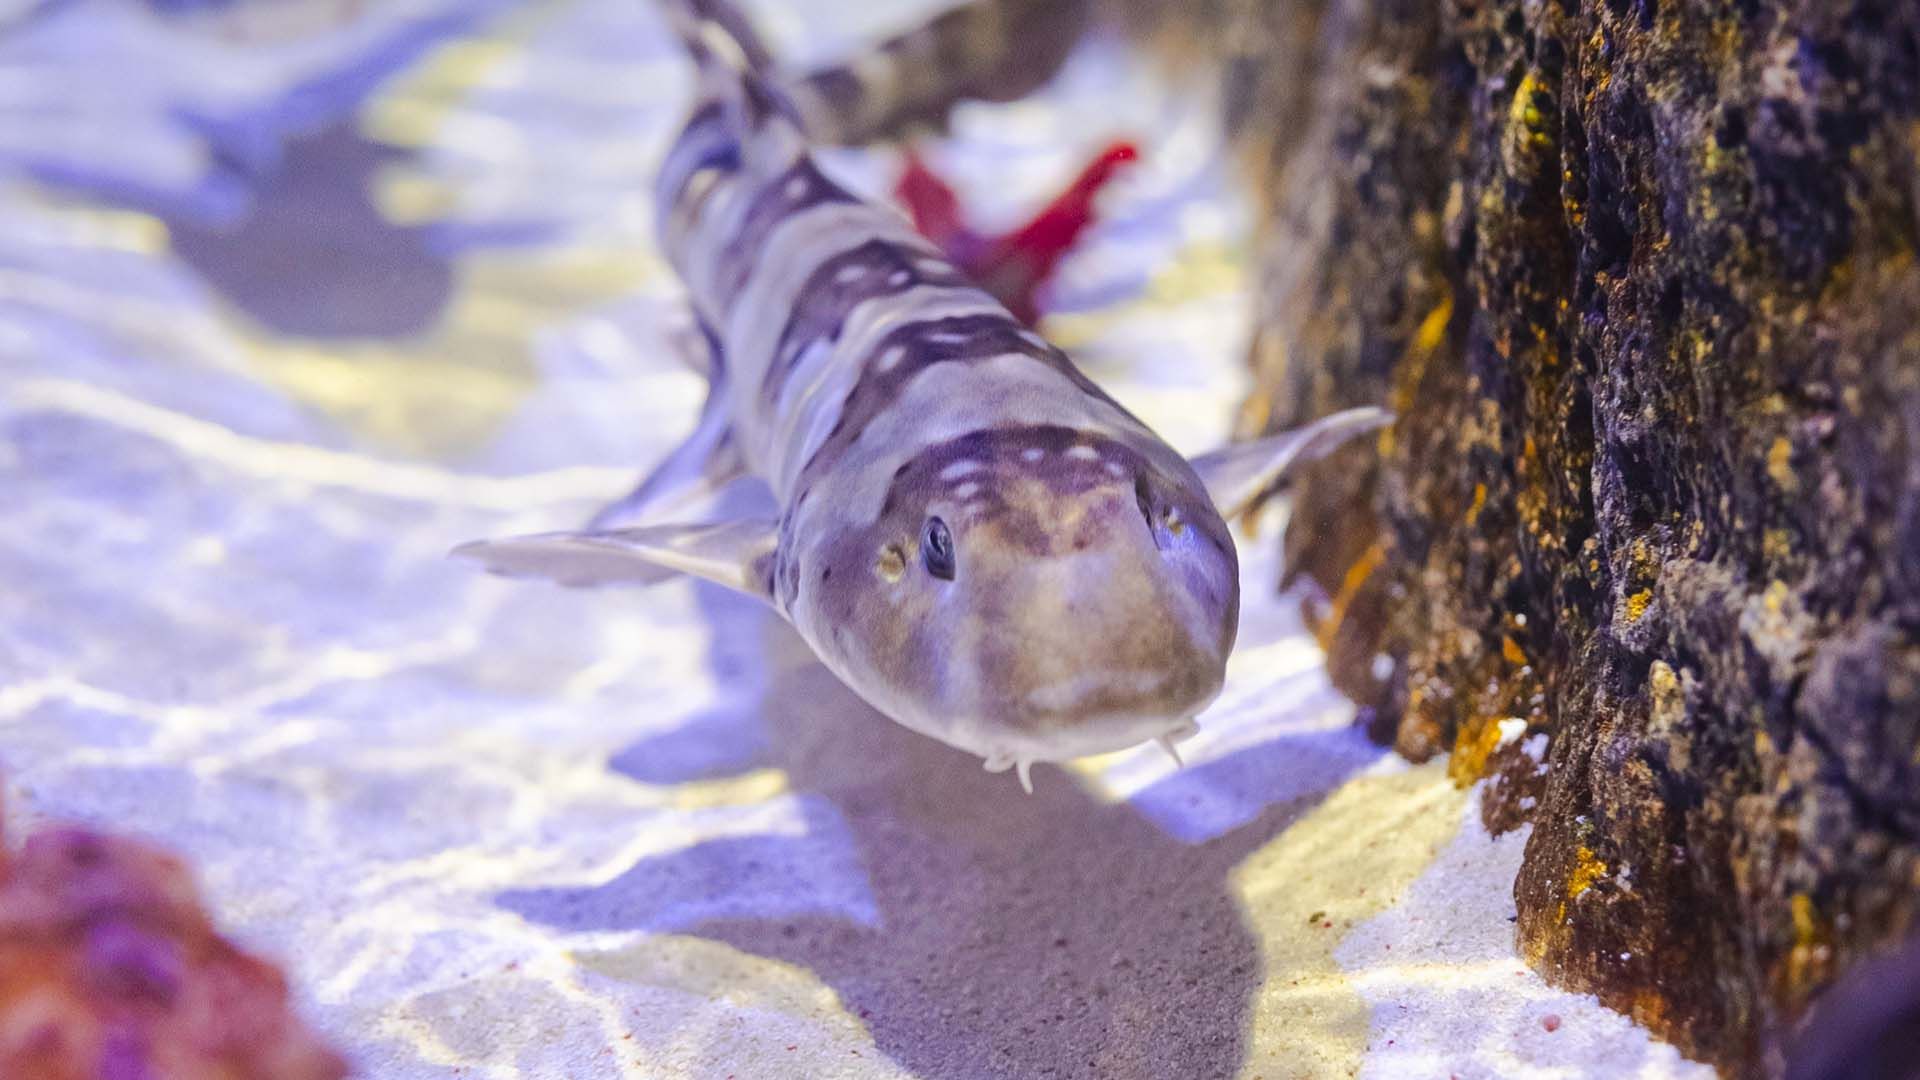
(971, 534)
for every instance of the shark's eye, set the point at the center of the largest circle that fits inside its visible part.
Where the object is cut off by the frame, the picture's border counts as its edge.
(936, 550)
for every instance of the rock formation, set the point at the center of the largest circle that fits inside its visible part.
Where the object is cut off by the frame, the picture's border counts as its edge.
(1640, 278)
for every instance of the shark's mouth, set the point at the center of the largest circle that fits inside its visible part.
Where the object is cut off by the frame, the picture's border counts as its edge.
(1020, 753)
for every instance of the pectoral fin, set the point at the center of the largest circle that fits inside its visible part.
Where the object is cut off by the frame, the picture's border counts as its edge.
(1237, 476)
(737, 554)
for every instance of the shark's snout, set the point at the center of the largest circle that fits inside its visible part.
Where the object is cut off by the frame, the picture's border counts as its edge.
(1099, 648)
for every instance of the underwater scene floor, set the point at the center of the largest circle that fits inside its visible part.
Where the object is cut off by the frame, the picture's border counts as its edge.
(290, 308)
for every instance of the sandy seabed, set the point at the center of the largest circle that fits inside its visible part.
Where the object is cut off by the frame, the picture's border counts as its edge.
(285, 316)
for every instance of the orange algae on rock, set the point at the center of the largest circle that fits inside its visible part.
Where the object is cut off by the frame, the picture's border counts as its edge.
(1350, 586)
(1472, 745)
(110, 968)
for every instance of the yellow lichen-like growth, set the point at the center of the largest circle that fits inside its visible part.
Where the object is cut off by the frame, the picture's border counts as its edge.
(1780, 464)
(1426, 340)
(1472, 745)
(1510, 649)
(1663, 682)
(1638, 603)
(1805, 930)
(1479, 503)
(1356, 576)
(1775, 598)
(1812, 953)
(1587, 869)
(1526, 123)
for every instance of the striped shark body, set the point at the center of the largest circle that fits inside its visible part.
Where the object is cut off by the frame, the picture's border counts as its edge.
(971, 534)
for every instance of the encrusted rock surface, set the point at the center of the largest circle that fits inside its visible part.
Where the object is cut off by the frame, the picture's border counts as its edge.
(1640, 278)
(109, 967)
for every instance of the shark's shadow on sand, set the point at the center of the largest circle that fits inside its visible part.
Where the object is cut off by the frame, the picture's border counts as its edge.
(285, 225)
(1052, 935)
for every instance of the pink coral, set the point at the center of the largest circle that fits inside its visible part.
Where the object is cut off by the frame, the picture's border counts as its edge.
(110, 968)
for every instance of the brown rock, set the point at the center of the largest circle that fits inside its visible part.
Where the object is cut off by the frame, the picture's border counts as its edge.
(1657, 484)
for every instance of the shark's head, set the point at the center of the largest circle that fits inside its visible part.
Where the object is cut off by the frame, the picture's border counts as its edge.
(1030, 594)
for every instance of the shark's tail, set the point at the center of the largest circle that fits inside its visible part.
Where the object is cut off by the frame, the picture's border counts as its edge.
(982, 50)
(697, 21)
(736, 70)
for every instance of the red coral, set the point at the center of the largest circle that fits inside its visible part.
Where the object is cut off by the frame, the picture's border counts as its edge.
(111, 969)
(1014, 266)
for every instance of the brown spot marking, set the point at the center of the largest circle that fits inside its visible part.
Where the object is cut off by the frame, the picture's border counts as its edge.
(795, 191)
(831, 293)
(1017, 491)
(966, 339)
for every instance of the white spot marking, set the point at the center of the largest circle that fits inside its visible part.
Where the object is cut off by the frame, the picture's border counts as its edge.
(1032, 453)
(1116, 469)
(1084, 453)
(699, 184)
(959, 469)
(945, 337)
(851, 272)
(967, 490)
(796, 187)
(899, 278)
(931, 266)
(892, 357)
